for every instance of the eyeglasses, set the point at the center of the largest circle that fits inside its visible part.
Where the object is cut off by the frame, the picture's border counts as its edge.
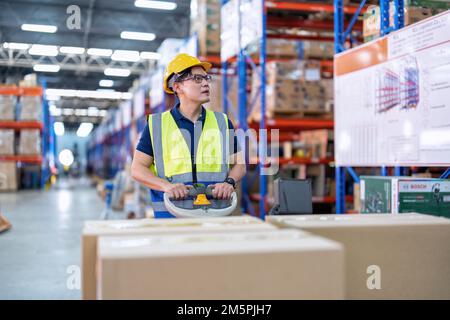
(198, 78)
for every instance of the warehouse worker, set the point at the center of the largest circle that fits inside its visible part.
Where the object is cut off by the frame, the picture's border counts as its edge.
(187, 144)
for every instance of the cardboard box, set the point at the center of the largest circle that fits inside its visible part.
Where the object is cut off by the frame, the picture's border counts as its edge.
(292, 87)
(414, 11)
(8, 176)
(205, 21)
(405, 194)
(6, 142)
(258, 265)
(30, 142)
(7, 107)
(406, 256)
(30, 108)
(318, 49)
(93, 229)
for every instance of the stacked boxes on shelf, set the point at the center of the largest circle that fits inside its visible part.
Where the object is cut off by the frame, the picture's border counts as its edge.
(8, 176)
(205, 21)
(415, 10)
(7, 107)
(293, 87)
(30, 108)
(216, 97)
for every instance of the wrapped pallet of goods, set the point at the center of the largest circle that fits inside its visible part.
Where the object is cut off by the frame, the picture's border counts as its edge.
(30, 108)
(293, 88)
(7, 107)
(387, 256)
(30, 142)
(7, 142)
(287, 264)
(8, 176)
(205, 21)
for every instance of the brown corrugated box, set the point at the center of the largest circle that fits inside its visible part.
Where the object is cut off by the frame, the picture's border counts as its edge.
(6, 142)
(31, 108)
(8, 176)
(93, 229)
(411, 251)
(30, 142)
(205, 21)
(258, 265)
(7, 107)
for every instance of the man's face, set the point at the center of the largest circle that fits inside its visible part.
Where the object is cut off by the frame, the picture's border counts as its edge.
(190, 89)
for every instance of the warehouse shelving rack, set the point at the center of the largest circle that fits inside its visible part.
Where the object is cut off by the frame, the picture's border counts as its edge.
(47, 157)
(341, 35)
(286, 126)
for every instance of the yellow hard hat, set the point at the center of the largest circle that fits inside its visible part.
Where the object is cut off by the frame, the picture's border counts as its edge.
(180, 63)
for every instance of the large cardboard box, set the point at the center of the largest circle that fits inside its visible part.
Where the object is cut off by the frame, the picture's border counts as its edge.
(257, 265)
(93, 229)
(405, 194)
(30, 108)
(8, 176)
(7, 107)
(6, 142)
(30, 142)
(387, 256)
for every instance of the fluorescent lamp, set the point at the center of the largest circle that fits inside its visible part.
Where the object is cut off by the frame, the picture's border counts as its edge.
(66, 158)
(81, 112)
(125, 55)
(39, 28)
(117, 72)
(59, 128)
(99, 52)
(71, 50)
(161, 5)
(67, 111)
(106, 83)
(93, 112)
(84, 129)
(126, 95)
(46, 68)
(142, 36)
(103, 113)
(43, 50)
(16, 46)
(150, 55)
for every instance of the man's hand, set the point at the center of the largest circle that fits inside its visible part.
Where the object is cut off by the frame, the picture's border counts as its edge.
(222, 190)
(177, 190)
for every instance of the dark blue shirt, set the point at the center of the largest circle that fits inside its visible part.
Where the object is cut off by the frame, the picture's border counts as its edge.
(145, 142)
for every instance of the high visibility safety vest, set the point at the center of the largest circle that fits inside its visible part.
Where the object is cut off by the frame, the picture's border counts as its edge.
(172, 155)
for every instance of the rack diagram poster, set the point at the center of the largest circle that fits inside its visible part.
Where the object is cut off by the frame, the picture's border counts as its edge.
(392, 98)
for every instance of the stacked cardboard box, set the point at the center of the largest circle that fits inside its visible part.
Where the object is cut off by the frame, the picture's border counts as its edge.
(259, 265)
(7, 107)
(318, 49)
(415, 10)
(94, 229)
(277, 48)
(8, 176)
(292, 87)
(386, 256)
(6, 142)
(30, 142)
(405, 194)
(205, 21)
(31, 108)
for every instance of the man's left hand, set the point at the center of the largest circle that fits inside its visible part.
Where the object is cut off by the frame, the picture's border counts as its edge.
(222, 190)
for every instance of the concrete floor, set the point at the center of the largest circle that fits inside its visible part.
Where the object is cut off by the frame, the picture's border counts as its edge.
(36, 255)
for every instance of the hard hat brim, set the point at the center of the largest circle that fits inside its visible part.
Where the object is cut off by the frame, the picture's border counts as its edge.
(205, 65)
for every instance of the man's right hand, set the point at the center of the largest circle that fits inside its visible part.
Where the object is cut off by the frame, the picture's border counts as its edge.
(177, 190)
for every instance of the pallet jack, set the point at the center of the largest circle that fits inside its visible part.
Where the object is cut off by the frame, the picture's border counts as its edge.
(200, 204)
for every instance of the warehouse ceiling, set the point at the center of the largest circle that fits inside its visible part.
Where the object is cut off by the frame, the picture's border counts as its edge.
(101, 24)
